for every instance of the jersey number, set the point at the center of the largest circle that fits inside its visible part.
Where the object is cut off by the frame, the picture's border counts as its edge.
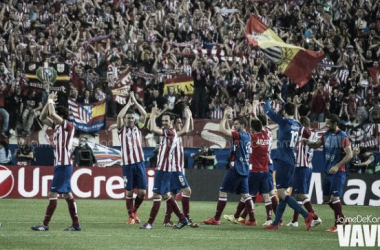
(294, 138)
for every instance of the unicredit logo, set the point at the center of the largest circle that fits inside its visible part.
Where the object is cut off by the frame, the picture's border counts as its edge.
(6, 181)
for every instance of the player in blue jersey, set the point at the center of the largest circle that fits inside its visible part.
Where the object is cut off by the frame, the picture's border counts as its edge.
(337, 153)
(284, 161)
(236, 178)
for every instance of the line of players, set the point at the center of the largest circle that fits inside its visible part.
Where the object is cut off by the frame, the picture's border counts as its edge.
(249, 153)
(169, 179)
(248, 175)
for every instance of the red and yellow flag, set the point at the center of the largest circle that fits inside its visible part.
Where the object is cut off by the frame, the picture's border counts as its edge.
(293, 61)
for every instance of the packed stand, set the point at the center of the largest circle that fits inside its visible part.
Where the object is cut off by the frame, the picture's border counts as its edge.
(141, 44)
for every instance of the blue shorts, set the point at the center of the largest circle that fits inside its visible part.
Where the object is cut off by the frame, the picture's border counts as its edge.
(301, 180)
(270, 176)
(284, 174)
(134, 176)
(162, 182)
(258, 182)
(61, 183)
(178, 182)
(333, 184)
(234, 183)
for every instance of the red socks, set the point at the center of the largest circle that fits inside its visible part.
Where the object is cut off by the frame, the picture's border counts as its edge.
(129, 204)
(220, 207)
(73, 211)
(154, 210)
(186, 205)
(50, 211)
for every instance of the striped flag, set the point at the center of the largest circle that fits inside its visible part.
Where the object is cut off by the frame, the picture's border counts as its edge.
(293, 61)
(88, 117)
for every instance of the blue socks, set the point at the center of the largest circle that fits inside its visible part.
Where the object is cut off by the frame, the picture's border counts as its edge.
(281, 209)
(296, 207)
(279, 212)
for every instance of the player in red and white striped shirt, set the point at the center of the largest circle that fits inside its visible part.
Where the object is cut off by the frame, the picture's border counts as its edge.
(165, 167)
(132, 156)
(303, 171)
(178, 180)
(63, 137)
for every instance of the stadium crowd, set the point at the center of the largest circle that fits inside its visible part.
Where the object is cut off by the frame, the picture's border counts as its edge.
(108, 43)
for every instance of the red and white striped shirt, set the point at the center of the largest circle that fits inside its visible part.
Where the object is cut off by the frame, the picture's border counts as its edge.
(63, 140)
(131, 149)
(165, 157)
(179, 156)
(304, 152)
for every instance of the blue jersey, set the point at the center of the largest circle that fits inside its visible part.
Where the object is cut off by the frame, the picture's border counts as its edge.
(240, 152)
(333, 149)
(287, 135)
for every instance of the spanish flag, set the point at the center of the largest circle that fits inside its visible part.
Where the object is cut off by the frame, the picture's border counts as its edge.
(184, 83)
(293, 61)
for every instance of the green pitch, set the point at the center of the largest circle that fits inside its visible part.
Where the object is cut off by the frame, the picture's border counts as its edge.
(104, 227)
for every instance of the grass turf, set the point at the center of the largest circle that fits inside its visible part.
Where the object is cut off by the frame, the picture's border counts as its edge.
(104, 227)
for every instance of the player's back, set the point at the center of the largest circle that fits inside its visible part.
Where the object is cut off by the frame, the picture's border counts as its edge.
(288, 133)
(63, 140)
(260, 151)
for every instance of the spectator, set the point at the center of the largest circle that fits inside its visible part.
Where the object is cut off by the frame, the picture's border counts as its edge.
(204, 159)
(319, 103)
(83, 155)
(367, 163)
(200, 95)
(24, 154)
(99, 95)
(5, 154)
(3, 112)
(32, 109)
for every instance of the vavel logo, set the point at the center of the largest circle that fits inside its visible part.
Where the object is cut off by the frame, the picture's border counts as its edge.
(359, 235)
(6, 181)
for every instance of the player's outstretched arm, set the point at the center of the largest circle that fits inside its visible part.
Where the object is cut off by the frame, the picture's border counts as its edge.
(316, 144)
(153, 125)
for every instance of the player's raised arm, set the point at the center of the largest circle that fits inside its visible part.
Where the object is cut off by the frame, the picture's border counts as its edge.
(270, 113)
(142, 111)
(189, 120)
(123, 111)
(153, 117)
(44, 116)
(52, 114)
(222, 125)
